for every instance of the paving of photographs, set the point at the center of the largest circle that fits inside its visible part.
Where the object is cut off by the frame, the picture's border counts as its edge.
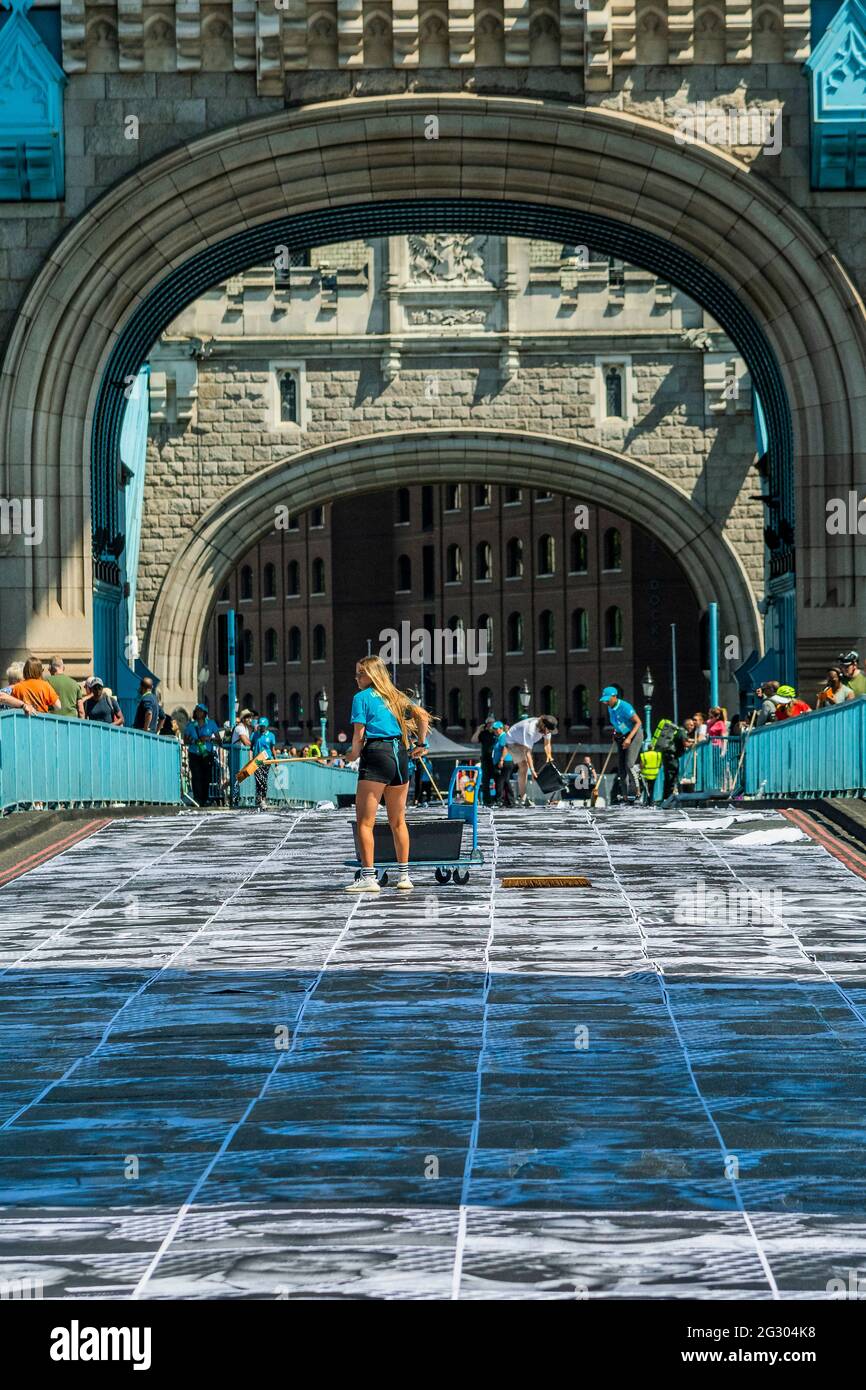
(222, 1077)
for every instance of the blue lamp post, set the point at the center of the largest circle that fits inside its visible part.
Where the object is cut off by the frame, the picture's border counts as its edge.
(323, 719)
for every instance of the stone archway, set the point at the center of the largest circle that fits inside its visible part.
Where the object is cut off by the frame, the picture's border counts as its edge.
(600, 476)
(117, 263)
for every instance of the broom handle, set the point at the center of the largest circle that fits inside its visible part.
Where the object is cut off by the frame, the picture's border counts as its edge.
(596, 791)
(432, 780)
(743, 749)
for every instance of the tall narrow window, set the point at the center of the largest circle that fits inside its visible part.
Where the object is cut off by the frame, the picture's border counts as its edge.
(483, 561)
(579, 630)
(546, 555)
(546, 638)
(580, 706)
(613, 393)
(482, 495)
(296, 710)
(485, 626)
(246, 582)
(402, 509)
(318, 575)
(613, 627)
(293, 578)
(612, 549)
(549, 700)
(319, 643)
(454, 565)
(293, 646)
(453, 497)
(269, 582)
(514, 630)
(289, 414)
(247, 643)
(514, 710)
(514, 558)
(404, 573)
(578, 553)
(513, 496)
(455, 707)
(485, 702)
(270, 645)
(317, 517)
(271, 707)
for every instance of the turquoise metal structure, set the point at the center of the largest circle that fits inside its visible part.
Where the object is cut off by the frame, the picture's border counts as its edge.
(64, 762)
(31, 112)
(837, 70)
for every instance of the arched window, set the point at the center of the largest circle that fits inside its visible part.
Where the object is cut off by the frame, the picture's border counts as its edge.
(224, 709)
(485, 626)
(319, 643)
(454, 565)
(514, 710)
(247, 643)
(482, 495)
(483, 561)
(317, 517)
(613, 627)
(225, 594)
(271, 707)
(404, 573)
(455, 707)
(453, 497)
(550, 700)
(579, 630)
(289, 398)
(515, 632)
(580, 706)
(269, 582)
(612, 549)
(293, 578)
(613, 393)
(546, 636)
(246, 582)
(403, 509)
(296, 710)
(578, 553)
(270, 645)
(485, 702)
(293, 646)
(546, 555)
(318, 575)
(514, 558)
(456, 624)
(248, 702)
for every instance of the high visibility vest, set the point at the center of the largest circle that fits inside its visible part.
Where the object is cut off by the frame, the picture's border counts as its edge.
(650, 765)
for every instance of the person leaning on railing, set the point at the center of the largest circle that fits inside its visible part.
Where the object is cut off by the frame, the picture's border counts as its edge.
(35, 691)
(12, 702)
(835, 692)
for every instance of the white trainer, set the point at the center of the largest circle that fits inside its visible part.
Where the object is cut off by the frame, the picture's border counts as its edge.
(404, 883)
(363, 885)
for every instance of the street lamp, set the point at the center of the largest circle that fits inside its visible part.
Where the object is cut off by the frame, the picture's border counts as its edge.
(648, 688)
(524, 695)
(323, 718)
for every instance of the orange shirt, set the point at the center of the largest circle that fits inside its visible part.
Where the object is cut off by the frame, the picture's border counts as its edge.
(38, 694)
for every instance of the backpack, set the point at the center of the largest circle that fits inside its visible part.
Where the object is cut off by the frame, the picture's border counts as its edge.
(664, 736)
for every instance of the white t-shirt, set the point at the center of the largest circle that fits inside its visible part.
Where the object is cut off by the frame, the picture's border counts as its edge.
(241, 734)
(524, 733)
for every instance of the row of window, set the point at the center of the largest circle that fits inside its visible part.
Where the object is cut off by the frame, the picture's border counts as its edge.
(482, 496)
(294, 645)
(545, 559)
(246, 583)
(580, 711)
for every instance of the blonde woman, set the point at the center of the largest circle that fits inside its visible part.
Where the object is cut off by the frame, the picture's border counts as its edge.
(384, 723)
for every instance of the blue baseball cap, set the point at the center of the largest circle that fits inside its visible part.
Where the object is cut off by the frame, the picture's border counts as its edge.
(263, 724)
(499, 724)
(609, 690)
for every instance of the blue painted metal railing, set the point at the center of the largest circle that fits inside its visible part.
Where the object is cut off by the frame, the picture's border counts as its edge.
(817, 754)
(303, 783)
(53, 761)
(711, 767)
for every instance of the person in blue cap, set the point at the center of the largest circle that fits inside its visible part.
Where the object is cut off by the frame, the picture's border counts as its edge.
(264, 741)
(628, 736)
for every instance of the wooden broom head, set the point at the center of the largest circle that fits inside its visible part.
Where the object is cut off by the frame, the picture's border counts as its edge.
(545, 881)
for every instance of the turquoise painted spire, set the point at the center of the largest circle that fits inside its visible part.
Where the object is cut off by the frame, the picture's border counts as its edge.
(31, 112)
(837, 69)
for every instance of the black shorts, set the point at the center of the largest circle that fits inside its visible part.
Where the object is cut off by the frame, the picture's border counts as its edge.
(384, 760)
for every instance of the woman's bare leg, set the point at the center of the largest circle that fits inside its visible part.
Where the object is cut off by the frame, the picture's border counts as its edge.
(367, 798)
(395, 805)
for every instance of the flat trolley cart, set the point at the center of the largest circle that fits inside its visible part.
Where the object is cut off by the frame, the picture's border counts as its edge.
(434, 844)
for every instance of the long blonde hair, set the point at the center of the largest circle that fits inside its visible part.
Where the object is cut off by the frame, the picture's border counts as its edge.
(403, 709)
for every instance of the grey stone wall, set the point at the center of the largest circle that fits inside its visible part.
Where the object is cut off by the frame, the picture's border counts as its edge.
(231, 438)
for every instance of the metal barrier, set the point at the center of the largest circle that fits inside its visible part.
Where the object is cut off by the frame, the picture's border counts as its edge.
(51, 761)
(295, 781)
(817, 754)
(711, 767)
